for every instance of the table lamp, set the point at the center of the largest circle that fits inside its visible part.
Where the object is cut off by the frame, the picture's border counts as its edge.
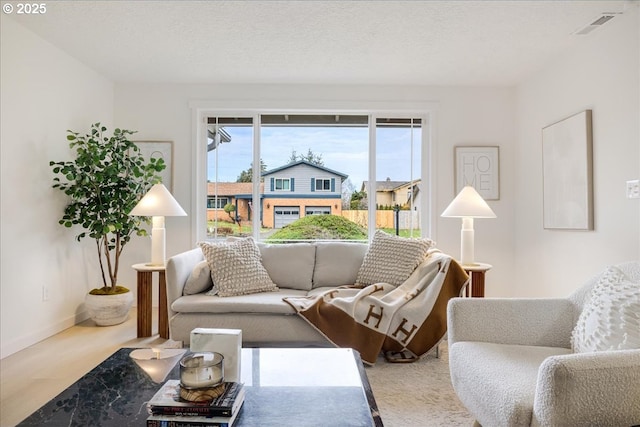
(468, 205)
(158, 203)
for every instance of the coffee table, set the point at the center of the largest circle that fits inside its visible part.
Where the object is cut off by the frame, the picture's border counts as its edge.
(285, 386)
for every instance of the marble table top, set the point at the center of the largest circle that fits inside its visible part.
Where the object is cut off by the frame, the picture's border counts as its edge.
(297, 387)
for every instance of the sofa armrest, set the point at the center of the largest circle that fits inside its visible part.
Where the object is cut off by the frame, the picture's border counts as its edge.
(601, 388)
(521, 321)
(179, 267)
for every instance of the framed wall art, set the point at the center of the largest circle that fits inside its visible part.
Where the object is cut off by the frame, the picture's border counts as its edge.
(160, 149)
(568, 173)
(478, 167)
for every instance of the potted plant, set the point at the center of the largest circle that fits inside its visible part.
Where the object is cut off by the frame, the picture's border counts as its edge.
(104, 182)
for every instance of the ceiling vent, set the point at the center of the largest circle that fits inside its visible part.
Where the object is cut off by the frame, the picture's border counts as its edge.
(597, 22)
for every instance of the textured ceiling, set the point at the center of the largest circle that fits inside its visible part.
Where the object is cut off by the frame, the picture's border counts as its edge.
(318, 42)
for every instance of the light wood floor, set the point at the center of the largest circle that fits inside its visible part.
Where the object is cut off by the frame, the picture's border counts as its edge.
(35, 375)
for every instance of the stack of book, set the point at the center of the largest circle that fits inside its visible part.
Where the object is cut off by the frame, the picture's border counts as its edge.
(167, 409)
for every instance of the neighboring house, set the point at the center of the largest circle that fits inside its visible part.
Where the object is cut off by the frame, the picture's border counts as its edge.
(300, 189)
(391, 193)
(236, 193)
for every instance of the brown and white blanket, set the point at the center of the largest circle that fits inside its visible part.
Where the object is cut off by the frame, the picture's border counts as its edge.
(407, 319)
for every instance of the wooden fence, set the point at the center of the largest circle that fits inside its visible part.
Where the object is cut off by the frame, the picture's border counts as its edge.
(384, 219)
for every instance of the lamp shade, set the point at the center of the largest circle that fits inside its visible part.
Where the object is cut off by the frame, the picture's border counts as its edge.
(158, 202)
(468, 203)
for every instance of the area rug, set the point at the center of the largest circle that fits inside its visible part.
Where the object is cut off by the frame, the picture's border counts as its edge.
(417, 394)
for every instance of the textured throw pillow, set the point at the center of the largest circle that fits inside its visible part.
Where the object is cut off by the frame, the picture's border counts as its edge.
(236, 268)
(610, 319)
(199, 280)
(391, 259)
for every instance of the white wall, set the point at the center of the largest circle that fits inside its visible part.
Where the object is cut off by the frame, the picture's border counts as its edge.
(466, 116)
(44, 93)
(601, 74)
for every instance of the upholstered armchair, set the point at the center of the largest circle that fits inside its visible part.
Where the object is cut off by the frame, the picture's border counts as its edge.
(512, 360)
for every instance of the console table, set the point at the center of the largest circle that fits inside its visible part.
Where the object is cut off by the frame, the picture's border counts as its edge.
(476, 273)
(145, 301)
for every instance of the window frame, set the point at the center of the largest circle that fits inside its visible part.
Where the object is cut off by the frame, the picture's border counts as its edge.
(219, 198)
(282, 181)
(201, 110)
(322, 180)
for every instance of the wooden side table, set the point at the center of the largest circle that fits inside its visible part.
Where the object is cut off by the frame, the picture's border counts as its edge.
(145, 301)
(476, 273)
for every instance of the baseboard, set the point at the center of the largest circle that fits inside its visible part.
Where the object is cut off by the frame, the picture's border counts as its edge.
(9, 348)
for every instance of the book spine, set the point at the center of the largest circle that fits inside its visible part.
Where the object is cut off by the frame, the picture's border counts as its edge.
(187, 412)
(179, 423)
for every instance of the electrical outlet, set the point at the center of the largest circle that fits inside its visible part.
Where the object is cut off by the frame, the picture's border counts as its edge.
(633, 189)
(45, 293)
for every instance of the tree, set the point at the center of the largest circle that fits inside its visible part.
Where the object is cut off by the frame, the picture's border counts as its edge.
(310, 157)
(347, 190)
(104, 182)
(229, 208)
(358, 200)
(247, 175)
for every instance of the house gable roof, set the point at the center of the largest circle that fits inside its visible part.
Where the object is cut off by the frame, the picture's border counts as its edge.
(388, 185)
(232, 189)
(304, 162)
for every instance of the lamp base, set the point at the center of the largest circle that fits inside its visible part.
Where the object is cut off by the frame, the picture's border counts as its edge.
(154, 264)
(469, 264)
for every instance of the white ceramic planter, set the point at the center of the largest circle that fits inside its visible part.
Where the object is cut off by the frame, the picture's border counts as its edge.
(107, 310)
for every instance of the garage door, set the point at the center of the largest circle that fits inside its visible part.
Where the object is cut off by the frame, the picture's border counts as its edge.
(286, 215)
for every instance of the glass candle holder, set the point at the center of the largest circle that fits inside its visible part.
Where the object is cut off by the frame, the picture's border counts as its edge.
(202, 370)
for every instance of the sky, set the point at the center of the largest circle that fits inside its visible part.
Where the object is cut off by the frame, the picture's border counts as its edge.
(343, 149)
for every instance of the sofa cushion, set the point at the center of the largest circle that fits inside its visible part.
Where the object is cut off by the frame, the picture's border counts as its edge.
(289, 265)
(337, 263)
(199, 280)
(609, 319)
(236, 268)
(391, 259)
(497, 382)
(265, 302)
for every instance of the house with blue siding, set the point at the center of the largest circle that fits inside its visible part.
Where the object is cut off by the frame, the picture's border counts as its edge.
(299, 189)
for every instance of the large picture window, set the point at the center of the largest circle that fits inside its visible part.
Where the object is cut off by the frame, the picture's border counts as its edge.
(364, 170)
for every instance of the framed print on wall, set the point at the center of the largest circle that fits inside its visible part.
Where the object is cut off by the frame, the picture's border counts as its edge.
(567, 173)
(163, 150)
(478, 167)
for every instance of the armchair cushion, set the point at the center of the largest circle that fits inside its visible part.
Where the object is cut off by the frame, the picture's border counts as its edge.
(497, 382)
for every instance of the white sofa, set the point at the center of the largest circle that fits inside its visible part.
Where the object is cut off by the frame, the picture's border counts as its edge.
(511, 363)
(299, 269)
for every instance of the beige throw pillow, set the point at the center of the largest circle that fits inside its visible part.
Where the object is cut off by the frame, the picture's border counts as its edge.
(199, 280)
(391, 259)
(610, 318)
(236, 267)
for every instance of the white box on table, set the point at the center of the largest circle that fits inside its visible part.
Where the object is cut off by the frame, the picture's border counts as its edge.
(227, 342)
